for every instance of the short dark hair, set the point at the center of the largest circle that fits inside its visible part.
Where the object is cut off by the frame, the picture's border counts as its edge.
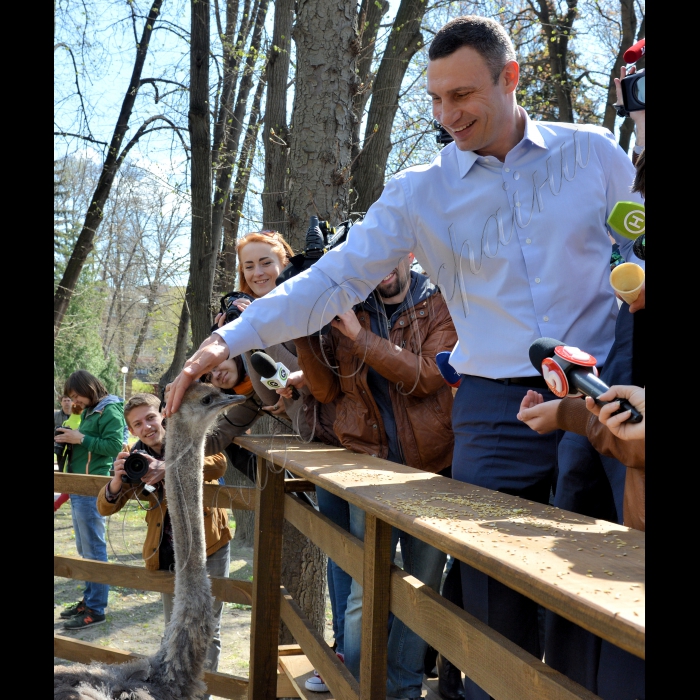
(85, 384)
(140, 400)
(484, 35)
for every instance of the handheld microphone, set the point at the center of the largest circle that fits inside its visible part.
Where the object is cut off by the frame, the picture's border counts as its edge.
(635, 52)
(274, 375)
(627, 219)
(570, 371)
(448, 372)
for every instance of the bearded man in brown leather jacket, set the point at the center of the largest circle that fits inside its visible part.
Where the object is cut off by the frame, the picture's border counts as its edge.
(378, 364)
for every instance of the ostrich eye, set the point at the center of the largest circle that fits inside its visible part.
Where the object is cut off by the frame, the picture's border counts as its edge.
(206, 400)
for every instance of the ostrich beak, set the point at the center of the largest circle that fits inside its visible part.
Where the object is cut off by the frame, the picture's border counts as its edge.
(226, 400)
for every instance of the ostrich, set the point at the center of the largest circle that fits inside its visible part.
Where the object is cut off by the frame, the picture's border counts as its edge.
(174, 672)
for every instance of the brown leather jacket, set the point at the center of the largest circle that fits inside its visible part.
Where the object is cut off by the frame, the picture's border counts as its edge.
(216, 530)
(573, 415)
(420, 398)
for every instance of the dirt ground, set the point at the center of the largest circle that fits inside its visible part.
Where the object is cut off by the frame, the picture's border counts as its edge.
(135, 618)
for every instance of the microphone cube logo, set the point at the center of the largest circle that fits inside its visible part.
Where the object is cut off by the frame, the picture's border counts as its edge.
(634, 222)
(283, 374)
(273, 384)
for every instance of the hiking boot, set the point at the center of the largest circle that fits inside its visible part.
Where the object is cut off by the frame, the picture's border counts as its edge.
(87, 618)
(73, 610)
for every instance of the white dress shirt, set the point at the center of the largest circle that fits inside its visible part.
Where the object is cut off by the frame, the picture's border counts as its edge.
(520, 250)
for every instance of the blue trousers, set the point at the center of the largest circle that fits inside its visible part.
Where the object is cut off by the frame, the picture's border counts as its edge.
(405, 649)
(495, 450)
(89, 528)
(336, 509)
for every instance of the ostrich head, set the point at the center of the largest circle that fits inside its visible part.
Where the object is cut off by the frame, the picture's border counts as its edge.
(200, 406)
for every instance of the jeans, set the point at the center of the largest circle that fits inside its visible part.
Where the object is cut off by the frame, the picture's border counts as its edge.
(217, 565)
(89, 528)
(406, 650)
(336, 509)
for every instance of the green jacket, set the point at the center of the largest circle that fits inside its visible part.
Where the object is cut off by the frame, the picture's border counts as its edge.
(105, 433)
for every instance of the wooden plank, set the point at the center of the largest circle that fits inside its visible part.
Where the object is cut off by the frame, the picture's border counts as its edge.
(335, 675)
(222, 684)
(589, 571)
(299, 669)
(289, 649)
(215, 496)
(227, 589)
(296, 485)
(285, 687)
(471, 645)
(375, 607)
(267, 566)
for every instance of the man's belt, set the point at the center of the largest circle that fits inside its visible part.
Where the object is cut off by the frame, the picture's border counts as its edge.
(536, 382)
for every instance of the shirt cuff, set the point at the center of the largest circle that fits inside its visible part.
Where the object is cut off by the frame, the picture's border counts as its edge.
(240, 336)
(111, 497)
(87, 442)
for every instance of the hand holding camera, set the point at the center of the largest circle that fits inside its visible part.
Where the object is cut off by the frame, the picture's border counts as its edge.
(65, 436)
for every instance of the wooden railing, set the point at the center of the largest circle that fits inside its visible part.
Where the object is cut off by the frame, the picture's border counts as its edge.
(589, 571)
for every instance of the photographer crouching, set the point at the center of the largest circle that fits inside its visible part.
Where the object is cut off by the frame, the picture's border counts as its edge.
(140, 474)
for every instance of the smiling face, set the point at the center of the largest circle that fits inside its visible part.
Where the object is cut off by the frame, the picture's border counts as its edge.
(146, 423)
(479, 115)
(81, 402)
(261, 266)
(394, 286)
(225, 375)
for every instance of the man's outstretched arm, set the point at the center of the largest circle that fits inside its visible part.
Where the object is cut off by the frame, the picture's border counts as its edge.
(305, 303)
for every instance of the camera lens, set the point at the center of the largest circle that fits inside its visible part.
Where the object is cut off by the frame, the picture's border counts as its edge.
(135, 467)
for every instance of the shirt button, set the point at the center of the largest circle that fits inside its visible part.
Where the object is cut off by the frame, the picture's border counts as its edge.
(537, 279)
(375, 426)
(528, 240)
(401, 323)
(505, 185)
(507, 169)
(517, 204)
(422, 313)
(545, 318)
(516, 175)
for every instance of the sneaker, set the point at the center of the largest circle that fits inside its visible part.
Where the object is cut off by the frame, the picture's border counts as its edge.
(87, 618)
(73, 610)
(315, 684)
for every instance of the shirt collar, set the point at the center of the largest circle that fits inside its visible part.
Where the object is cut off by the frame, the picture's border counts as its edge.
(465, 159)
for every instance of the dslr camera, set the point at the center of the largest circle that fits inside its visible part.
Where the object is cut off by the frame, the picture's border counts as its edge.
(228, 307)
(442, 137)
(135, 467)
(320, 238)
(633, 93)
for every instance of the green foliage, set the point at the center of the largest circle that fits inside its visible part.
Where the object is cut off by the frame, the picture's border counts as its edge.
(139, 387)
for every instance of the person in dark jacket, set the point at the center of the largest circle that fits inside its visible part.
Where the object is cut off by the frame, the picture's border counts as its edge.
(392, 403)
(96, 443)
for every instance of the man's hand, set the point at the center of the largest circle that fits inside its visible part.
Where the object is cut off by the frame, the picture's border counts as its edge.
(540, 415)
(211, 353)
(296, 379)
(156, 471)
(72, 437)
(616, 424)
(347, 324)
(115, 486)
(277, 410)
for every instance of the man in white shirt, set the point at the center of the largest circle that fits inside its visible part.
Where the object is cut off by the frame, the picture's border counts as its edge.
(510, 222)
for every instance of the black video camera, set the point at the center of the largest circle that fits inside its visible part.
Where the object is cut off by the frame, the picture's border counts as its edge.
(633, 92)
(320, 238)
(135, 467)
(229, 309)
(442, 136)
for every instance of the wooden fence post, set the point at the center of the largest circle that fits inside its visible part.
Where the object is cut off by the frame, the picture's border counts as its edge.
(267, 565)
(376, 583)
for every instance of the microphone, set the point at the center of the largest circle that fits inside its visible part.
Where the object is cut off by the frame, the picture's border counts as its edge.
(273, 374)
(627, 219)
(635, 52)
(448, 372)
(570, 371)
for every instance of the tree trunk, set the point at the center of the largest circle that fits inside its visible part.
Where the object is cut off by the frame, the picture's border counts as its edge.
(275, 130)
(93, 218)
(202, 251)
(181, 347)
(323, 122)
(405, 39)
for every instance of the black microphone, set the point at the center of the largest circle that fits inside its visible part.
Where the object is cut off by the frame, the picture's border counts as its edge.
(274, 375)
(570, 371)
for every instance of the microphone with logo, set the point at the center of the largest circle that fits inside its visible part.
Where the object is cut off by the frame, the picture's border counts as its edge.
(273, 375)
(571, 372)
(628, 219)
